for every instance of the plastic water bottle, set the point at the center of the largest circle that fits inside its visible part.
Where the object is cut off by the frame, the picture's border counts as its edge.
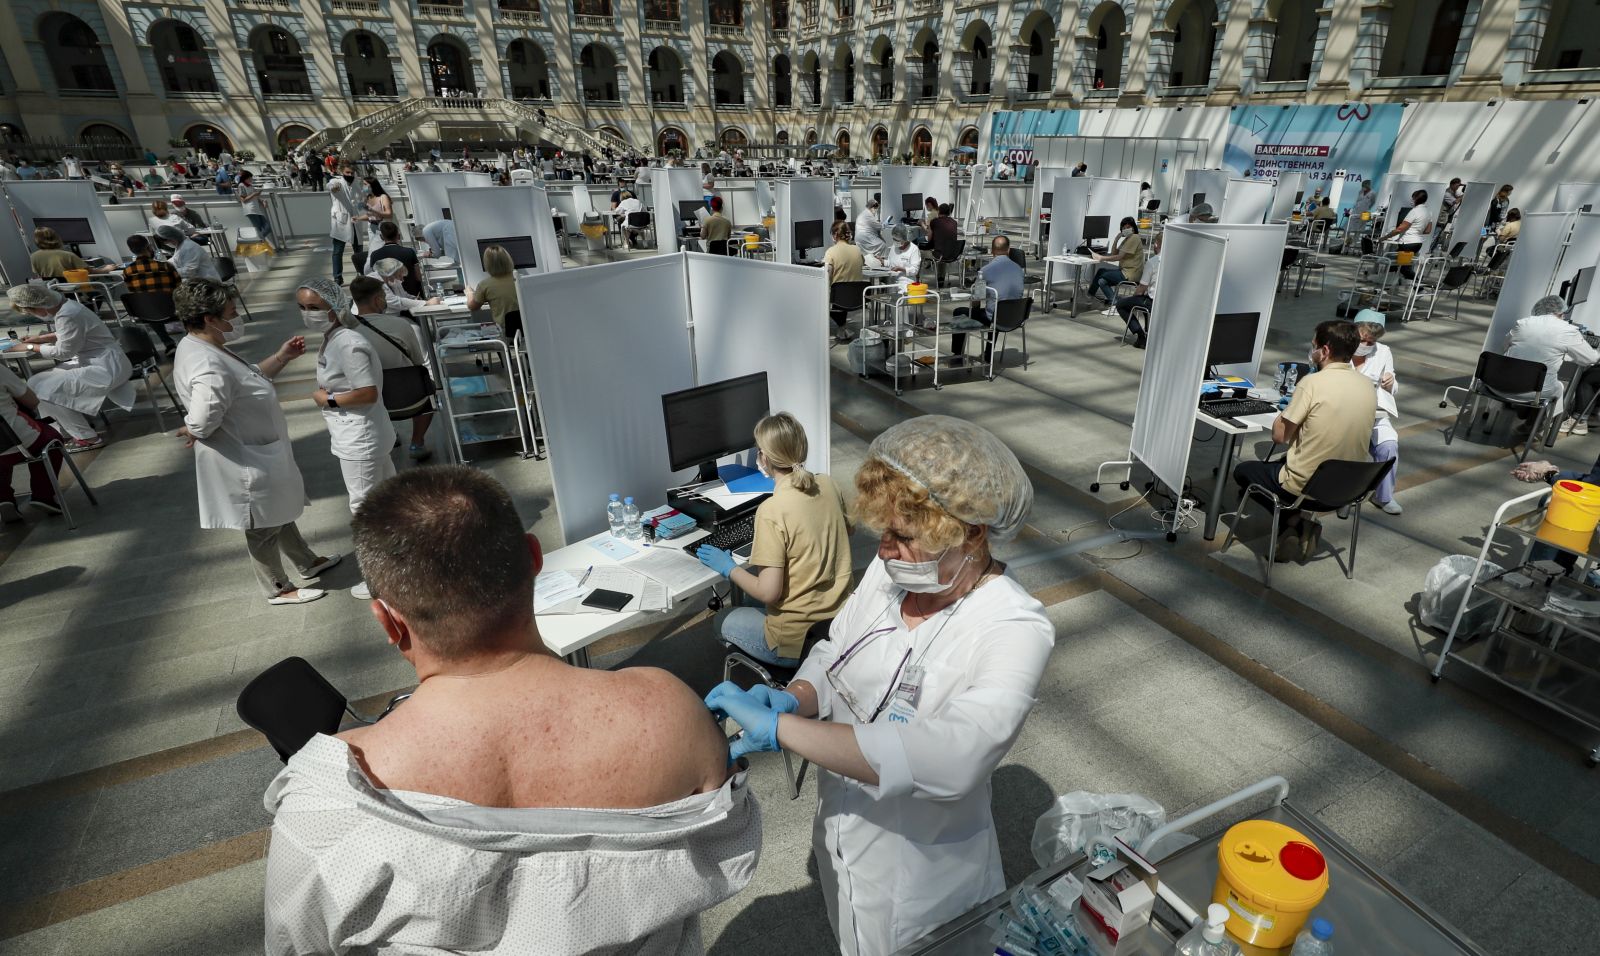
(1315, 940)
(631, 528)
(614, 517)
(1209, 938)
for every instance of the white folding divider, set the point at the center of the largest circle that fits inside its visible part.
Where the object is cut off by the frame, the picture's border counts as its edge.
(1213, 183)
(1174, 361)
(1247, 202)
(1471, 214)
(502, 212)
(607, 341)
(1066, 217)
(1114, 199)
(1551, 247)
(429, 193)
(974, 198)
(63, 199)
(1246, 285)
(1287, 195)
(1336, 190)
(1582, 252)
(764, 199)
(1572, 197)
(569, 202)
(126, 220)
(787, 337)
(307, 213)
(1044, 181)
(1400, 199)
(668, 188)
(899, 181)
(799, 200)
(604, 349)
(14, 252)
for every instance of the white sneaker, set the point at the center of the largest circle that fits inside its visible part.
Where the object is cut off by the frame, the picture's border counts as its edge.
(1581, 427)
(1567, 425)
(1110, 311)
(361, 592)
(1391, 507)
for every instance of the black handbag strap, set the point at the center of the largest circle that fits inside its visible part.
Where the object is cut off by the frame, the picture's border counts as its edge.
(387, 338)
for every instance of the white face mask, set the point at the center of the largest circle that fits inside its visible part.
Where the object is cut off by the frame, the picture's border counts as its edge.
(1126, 233)
(1365, 349)
(921, 577)
(316, 320)
(234, 330)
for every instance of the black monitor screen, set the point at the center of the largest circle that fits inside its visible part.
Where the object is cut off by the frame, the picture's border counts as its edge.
(708, 422)
(911, 202)
(1587, 207)
(1298, 197)
(808, 235)
(1198, 199)
(1233, 338)
(520, 247)
(689, 209)
(446, 212)
(68, 230)
(1577, 289)
(1096, 227)
(1048, 202)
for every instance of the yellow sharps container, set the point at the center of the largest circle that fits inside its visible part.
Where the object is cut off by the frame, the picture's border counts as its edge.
(917, 293)
(1270, 877)
(1573, 513)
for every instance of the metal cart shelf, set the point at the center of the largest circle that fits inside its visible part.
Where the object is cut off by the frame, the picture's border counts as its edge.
(1558, 664)
(481, 404)
(913, 332)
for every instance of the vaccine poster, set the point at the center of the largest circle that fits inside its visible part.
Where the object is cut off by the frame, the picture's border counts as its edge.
(1011, 133)
(1318, 141)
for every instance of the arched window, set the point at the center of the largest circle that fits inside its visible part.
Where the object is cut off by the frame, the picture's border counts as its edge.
(182, 59)
(666, 76)
(1294, 42)
(727, 79)
(783, 137)
(811, 78)
(529, 70)
(968, 140)
(844, 74)
(883, 66)
(782, 82)
(842, 142)
(449, 66)
(1570, 38)
(780, 15)
(879, 143)
(207, 139)
(1194, 26)
(1422, 39)
(733, 138)
(671, 141)
(104, 134)
(291, 136)
(280, 69)
(367, 66)
(1108, 24)
(921, 145)
(727, 13)
(597, 67)
(74, 52)
(811, 137)
(11, 133)
(927, 48)
(977, 56)
(1036, 59)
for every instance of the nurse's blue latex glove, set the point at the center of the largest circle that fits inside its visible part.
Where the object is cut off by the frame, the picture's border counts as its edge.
(758, 720)
(779, 700)
(716, 559)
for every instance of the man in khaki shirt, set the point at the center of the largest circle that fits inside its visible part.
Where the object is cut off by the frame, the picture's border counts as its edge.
(1329, 418)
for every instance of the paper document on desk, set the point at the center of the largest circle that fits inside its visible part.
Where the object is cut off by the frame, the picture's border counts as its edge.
(551, 588)
(718, 494)
(648, 594)
(614, 548)
(677, 571)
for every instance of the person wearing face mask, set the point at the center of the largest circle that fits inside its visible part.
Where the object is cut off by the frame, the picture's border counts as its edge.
(902, 258)
(399, 345)
(1127, 264)
(919, 691)
(392, 273)
(1374, 360)
(349, 392)
(342, 214)
(1329, 417)
(91, 367)
(800, 558)
(243, 458)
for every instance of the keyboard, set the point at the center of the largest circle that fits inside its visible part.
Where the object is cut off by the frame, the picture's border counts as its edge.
(1238, 407)
(732, 535)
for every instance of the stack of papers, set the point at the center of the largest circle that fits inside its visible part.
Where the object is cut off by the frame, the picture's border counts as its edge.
(648, 593)
(679, 572)
(551, 588)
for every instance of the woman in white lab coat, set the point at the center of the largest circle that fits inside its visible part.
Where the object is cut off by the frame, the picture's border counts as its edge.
(243, 462)
(919, 691)
(91, 367)
(341, 227)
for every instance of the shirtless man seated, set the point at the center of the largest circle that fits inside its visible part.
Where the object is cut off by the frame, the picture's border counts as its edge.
(453, 824)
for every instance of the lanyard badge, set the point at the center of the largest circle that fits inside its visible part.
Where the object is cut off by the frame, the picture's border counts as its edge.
(907, 694)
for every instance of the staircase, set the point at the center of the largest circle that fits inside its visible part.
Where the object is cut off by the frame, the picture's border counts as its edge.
(393, 122)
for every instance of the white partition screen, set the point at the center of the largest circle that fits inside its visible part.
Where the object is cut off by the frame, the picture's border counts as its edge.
(1287, 195)
(1574, 197)
(64, 199)
(1246, 287)
(806, 200)
(1400, 199)
(1582, 252)
(787, 337)
(1248, 201)
(1471, 214)
(1174, 361)
(429, 193)
(668, 188)
(14, 255)
(1209, 185)
(1114, 199)
(589, 333)
(1044, 180)
(1529, 274)
(484, 213)
(1066, 216)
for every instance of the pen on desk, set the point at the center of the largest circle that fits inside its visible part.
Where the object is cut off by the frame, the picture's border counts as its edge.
(583, 580)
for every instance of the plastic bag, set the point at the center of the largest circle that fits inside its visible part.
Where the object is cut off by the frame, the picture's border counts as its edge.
(868, 352)
(1445, 587)
(1079, 817)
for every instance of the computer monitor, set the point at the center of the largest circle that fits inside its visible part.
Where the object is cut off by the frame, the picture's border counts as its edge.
(807, 235)
(520, 247)
(1153, 205)
(911, 204)
(1048, 201)
(1199, 198)
(710, 421)
(1096, 227)
(689, 209)
(1586, 207)
(446, 211)
(71, 231)
(1233, 339)
(1576, 289)
(1298, 197)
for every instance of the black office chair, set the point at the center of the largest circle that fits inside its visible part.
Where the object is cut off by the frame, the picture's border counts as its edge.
(1037, 282)
(1455, 280)
(1457, 249)
(948, 251)
(1335, 485)
(1153, 205)
(776, 677)
(639, 222)
(229, 273)
(843, 299)
(141, 352)
(152, 310)
(1290, 257)
(11, 441)
(1010, 315)
(291, 702)
(1505, 381)
(718, 247)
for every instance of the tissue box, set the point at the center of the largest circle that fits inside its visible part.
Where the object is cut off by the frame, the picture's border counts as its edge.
(1117, 902)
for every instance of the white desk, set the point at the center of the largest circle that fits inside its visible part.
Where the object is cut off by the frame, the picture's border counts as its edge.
(1077, 263)
(1231, 433)
(569, 635)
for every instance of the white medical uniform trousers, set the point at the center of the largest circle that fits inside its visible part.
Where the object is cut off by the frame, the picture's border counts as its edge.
(361, 475)
(71, 422)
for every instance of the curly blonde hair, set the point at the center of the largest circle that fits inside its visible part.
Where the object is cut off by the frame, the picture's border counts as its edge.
(886, 498)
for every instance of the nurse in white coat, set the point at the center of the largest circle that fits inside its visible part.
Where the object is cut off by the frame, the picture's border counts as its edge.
(243, 462)
(91, 367)
(919, 691)
(342, 212)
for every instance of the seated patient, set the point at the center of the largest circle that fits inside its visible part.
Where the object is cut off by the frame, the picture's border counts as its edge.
(454, 824)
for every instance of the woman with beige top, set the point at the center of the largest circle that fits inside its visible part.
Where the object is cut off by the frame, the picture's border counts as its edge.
(498, 290)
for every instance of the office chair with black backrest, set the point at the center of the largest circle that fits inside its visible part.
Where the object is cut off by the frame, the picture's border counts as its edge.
(1335, 485)
(152, 310)
(949, 251)
(1010, 315)
(776, 677)
(291, 702)
(1508, 382)
(1037, 282)
(718, 247)
(639, 222)
(843, 299)
(141, 352)
(229, 273)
